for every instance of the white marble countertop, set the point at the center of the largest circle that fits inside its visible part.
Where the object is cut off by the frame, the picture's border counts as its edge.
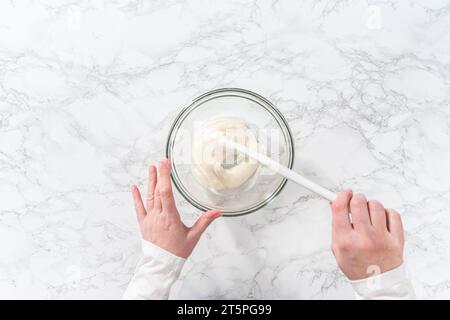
(88, 90)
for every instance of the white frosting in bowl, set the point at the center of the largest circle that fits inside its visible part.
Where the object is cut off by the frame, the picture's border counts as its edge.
(217, 167)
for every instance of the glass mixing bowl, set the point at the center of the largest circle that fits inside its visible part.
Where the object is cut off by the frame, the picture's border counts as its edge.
(270, 129)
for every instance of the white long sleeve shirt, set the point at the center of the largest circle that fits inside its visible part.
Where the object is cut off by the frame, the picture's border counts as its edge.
(158, 269)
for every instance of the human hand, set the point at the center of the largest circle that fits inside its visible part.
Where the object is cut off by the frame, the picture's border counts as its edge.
(160, 222)
(372, 243)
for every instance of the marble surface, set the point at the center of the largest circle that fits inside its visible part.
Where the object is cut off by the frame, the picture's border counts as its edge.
(88, 90)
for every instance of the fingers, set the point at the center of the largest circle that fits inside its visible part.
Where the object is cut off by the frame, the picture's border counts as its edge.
(138, 204)
(378, 216)
(394, 224)
(157, 205)
(340, 209)
(152, 178)
(165, 187)
(360, 213)
(203, 222)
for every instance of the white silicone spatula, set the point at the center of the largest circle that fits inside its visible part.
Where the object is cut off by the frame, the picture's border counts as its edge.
(282, 170)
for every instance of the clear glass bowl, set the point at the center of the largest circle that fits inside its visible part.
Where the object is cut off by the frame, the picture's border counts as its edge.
(265, 121)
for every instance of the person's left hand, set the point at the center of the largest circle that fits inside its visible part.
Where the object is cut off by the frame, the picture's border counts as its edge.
(160, 222)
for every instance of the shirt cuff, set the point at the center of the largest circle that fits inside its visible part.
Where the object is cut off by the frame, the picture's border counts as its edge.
(151, 250)
(389, 284)
(156, 271)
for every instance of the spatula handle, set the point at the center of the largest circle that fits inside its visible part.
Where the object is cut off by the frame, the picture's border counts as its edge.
(282, 170)
(308, 184)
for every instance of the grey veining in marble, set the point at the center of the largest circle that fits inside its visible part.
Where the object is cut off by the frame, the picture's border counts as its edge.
(89, 89)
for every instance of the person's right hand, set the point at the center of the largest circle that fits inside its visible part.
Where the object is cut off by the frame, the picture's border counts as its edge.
(160, 222)
(372, 242)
